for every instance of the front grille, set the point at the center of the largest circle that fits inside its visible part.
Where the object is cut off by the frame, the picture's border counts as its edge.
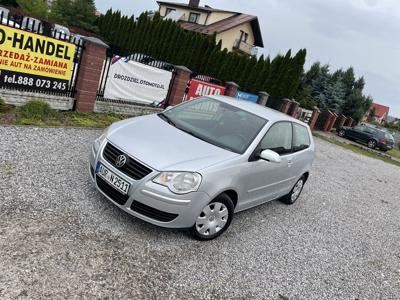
(151, 212)
(132, 167)
(111, 192)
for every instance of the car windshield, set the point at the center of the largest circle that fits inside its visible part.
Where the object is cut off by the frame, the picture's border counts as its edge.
(216, 122)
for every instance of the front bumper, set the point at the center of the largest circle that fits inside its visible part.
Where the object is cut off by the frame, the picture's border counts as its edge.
(385, 146)
(149, 201)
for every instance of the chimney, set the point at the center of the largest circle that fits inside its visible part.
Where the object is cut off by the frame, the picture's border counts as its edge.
(194, 3)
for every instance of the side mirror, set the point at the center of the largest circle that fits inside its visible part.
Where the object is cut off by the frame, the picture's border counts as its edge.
(271, 156)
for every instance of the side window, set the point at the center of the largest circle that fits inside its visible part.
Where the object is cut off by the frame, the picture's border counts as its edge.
(194, 18)
(169, 10)
(278, 138)
(301, 137)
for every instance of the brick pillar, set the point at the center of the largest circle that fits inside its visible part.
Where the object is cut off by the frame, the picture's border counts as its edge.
(178, 86)
(332, 121)
(314, 117)
(263, 98)
(349, 121)
(231, 89)
(285, 105)
(294, 108)
(328, 121)
(90, 69)
(342, 120)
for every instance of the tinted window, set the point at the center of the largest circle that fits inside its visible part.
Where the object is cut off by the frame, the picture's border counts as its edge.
(194, 18)
(301, 137)
(216, 122)
(278, 138)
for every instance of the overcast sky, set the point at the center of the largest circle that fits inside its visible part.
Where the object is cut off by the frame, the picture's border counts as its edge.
(359, 33)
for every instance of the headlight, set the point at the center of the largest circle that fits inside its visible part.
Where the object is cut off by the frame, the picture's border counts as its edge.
(99, 140)
(179, 182)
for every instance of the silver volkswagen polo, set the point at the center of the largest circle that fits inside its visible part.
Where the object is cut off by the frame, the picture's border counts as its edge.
(196, 164)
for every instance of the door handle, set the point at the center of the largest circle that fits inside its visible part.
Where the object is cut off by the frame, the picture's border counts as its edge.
(289, 163)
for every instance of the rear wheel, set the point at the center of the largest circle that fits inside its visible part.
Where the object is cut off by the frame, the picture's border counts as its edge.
(214, 219)
(294, 193)
(342, 133)
(371, 144)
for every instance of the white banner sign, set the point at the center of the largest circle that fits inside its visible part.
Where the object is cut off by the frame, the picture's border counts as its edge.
(133, 81)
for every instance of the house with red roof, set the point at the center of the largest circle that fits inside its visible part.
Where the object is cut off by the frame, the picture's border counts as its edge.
(377, 113)
(237, 31)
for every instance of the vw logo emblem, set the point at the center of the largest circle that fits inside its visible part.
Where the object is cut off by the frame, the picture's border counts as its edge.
(120, 161)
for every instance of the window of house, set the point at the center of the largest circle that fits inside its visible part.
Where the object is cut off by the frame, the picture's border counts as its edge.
(169, 10)
(194, 17)
(301, 137)
(243, 36)
(278, 138)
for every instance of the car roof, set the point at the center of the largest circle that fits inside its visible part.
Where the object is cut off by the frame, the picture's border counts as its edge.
(270, 114)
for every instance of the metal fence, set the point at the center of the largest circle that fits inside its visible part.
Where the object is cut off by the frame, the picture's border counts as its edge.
(46, 29)
(138, 57)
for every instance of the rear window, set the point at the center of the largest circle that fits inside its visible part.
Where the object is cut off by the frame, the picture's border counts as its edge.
(301, 137)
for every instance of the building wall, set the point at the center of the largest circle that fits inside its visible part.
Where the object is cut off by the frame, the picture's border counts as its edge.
(230, 36)
(186, 12)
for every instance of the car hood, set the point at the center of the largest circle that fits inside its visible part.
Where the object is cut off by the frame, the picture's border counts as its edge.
(163, 147)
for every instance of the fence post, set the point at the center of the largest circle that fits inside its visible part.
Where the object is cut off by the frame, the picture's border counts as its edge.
(350, 121)
(285, 105)
(314, 117)
(294, 108)
(178, 86)
(263, 98)
(342, 120)
(328, 121)
(333, 120)
(231, 89)
(89, 74)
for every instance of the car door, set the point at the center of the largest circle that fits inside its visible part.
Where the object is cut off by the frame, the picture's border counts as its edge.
(301, 156)
(354, 132)
(268, 180)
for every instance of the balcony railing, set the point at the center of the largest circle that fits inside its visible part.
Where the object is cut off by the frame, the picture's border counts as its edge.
(244, 47)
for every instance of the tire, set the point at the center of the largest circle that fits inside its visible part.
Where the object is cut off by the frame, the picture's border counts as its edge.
(295, 192)
(384, 150)
(342, 133)
(371, 144)
(211, 224)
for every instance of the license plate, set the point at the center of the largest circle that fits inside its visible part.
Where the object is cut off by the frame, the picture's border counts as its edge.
(114, 180)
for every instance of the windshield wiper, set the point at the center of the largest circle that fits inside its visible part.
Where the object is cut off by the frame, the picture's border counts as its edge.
(167, 119)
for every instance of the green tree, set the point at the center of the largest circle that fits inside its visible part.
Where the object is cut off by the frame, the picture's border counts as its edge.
(37, 8)
(79, 13)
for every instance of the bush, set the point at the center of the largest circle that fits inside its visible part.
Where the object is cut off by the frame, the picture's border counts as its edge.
(36, 109)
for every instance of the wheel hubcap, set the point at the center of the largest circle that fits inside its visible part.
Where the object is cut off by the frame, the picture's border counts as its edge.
(341, 133)
(297, 190)
(212, 219)
(371, 144)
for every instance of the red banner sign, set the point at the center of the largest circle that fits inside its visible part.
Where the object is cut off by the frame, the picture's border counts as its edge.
(200, 88)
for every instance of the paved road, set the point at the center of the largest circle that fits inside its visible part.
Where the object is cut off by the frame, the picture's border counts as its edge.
(60, 239)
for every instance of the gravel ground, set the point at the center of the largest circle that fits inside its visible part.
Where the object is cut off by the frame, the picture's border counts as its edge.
(59, 238)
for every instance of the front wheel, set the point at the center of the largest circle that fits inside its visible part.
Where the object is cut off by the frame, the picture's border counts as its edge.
(371, 144)
(294, 193)
(342, 133)
(214, 219)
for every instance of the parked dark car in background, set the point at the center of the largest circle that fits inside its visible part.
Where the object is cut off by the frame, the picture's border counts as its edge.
(372, 137)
